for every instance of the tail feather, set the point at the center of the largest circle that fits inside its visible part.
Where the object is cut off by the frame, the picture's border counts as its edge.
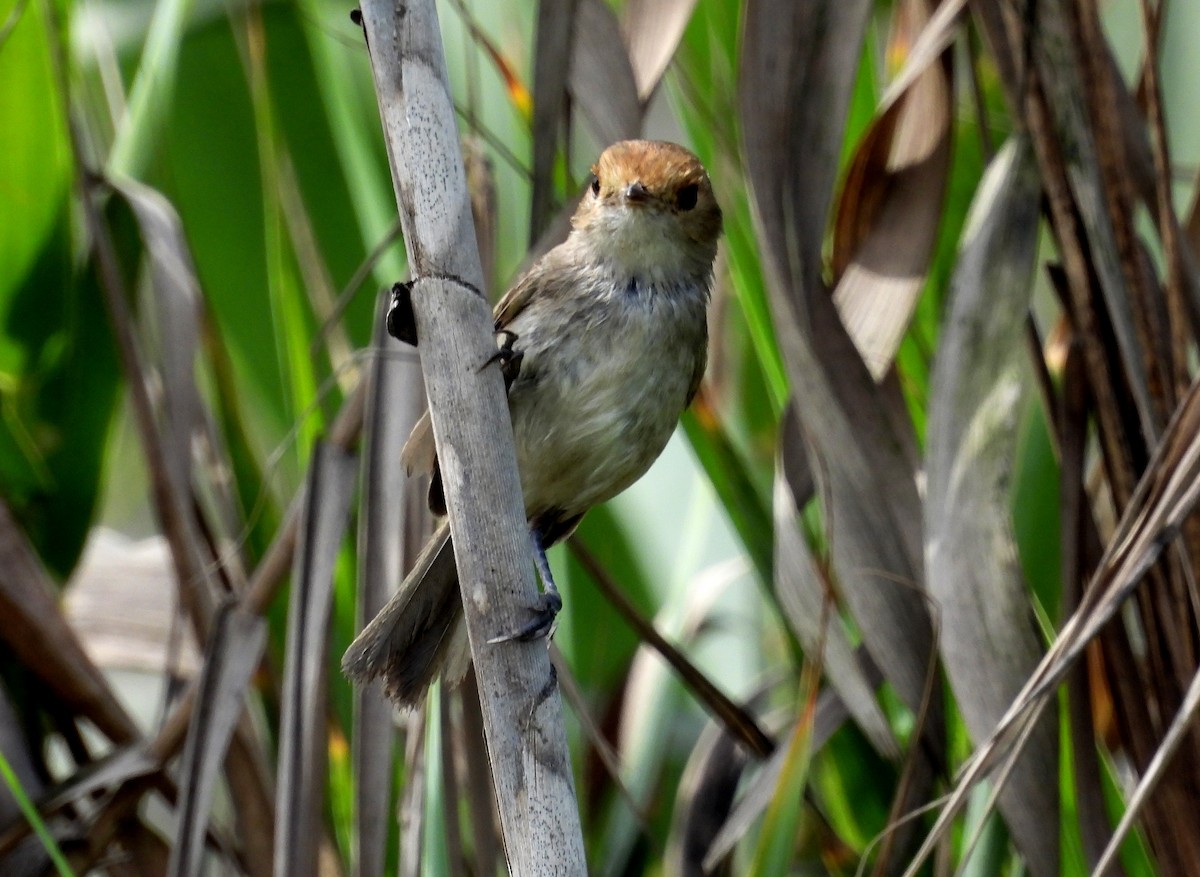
(418, 633)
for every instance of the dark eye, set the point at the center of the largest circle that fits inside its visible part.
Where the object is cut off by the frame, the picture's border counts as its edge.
(595, 187)
(686, 199)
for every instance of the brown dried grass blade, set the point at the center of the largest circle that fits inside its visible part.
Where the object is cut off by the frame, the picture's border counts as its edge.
(252, 789)
(1180, 726)
(172, 496)
(172, 323)
(1079, 543)
(32, 625)
(1054, 104)
(736, 719)
(1165, 496)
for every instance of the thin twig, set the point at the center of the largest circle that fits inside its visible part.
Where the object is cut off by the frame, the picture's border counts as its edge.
(739, 723)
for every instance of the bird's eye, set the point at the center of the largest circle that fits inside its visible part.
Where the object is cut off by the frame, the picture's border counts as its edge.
(595, 187)
(686, 198)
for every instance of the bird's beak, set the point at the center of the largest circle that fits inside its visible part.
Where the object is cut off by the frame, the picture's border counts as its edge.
(636, 193)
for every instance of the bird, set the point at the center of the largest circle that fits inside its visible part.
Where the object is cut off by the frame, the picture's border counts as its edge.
(603, 342)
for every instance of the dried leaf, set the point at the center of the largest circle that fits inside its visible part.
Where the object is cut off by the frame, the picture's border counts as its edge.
(551, 65)
(394, 404)
(168, 456)
(302, 743)
(1078, 530)
(652, 30)
(176, 318)
(233, 651)
(799, 61)
(891, 203)
(798, 64)
(703, 801)
(148, 853)
(1055, 52)
(979, 390)
(252, 790)
(830, 714)
(1180, 725)
(1166, 494)
(807, 603)
(32, 625)
(600, 78)
(130, 764)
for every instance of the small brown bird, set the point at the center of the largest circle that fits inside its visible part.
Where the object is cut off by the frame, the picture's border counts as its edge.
(608, 337)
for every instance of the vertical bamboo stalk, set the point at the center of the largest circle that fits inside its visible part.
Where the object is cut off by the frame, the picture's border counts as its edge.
(522, 710)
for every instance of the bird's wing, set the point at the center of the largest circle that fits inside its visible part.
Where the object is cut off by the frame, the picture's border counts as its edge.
(419, 454)
(697, 375)
(515, 300)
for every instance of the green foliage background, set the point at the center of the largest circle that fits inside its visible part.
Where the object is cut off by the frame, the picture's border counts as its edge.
(258, 123)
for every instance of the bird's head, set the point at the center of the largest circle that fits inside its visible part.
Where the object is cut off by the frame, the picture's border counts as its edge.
(649, 210)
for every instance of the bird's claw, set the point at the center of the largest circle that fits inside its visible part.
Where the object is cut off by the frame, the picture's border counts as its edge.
(401, 323)
(540, 626)
(508, 357)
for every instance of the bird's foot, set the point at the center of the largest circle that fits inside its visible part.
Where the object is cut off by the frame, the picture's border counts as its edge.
(540, 625)
(508, 357)
(549, 602)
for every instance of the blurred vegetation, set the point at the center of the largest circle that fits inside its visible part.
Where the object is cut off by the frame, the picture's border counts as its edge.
(868, 533)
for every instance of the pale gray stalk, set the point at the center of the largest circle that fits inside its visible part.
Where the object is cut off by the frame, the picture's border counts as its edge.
(522, 709)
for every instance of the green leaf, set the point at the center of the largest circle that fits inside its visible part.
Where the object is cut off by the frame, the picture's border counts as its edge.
(57, 405)
(777, 841)
(35, 160)
(35, 820)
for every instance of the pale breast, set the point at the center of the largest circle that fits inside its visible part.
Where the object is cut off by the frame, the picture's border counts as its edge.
(602, 385)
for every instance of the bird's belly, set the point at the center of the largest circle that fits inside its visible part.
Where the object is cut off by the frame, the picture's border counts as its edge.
(584, 434)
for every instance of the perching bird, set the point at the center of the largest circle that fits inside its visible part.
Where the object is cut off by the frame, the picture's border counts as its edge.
(608, 339)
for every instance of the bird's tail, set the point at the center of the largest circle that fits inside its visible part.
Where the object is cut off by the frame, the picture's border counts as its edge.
(419, 634)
